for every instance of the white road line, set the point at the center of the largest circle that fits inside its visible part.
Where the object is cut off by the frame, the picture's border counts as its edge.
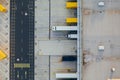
(22, 3)
(21, 21)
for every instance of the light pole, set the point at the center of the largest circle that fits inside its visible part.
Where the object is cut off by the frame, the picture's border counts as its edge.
(111, 72)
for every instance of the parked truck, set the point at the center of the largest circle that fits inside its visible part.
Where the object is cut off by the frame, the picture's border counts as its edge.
(72, 36)
(64, 28)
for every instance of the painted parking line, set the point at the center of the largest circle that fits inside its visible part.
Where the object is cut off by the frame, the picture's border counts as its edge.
(21, 39)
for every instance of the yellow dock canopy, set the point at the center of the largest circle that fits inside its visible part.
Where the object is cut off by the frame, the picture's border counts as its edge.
(2, 55)
(71, 20)
(71, 5)
(2, 8)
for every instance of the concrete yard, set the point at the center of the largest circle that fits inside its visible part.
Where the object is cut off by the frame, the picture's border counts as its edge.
(101, 27)
(51, 46)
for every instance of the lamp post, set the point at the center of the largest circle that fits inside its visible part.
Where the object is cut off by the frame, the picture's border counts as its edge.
(111, 72)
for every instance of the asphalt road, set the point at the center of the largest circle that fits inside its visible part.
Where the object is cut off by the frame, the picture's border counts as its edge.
(22, 40)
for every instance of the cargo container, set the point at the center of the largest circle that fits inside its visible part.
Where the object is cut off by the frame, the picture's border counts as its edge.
(71, 20)
(69, 58)
(71, 5)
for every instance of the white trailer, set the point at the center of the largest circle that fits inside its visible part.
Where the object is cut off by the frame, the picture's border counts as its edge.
(66, 75)
(64, 28)
(72, 36)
